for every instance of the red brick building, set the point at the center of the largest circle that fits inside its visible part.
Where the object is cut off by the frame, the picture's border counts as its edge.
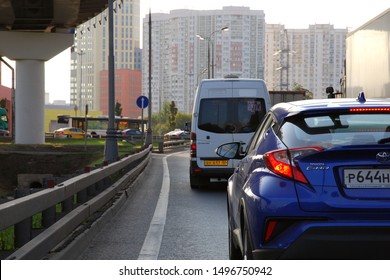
(128, 87)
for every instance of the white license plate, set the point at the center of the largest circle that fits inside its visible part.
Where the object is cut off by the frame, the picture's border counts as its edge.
(367, 178)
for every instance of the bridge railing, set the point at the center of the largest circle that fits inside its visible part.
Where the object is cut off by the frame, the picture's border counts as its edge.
(64, 207)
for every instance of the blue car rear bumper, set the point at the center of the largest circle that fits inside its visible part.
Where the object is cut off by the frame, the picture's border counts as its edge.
(335, 242)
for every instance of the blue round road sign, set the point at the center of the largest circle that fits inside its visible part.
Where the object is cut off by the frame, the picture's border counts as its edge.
(142, 102)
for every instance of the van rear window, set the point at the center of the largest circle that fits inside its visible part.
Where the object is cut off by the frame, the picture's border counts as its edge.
(231, 115)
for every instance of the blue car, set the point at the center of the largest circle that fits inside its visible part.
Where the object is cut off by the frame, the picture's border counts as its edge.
(313, 183)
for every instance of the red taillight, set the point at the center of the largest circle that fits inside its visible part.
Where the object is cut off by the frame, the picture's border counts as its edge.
(279, 162)
(193, 144)
(276, 226)
(359, 110)
(193, 150)
(270, 227)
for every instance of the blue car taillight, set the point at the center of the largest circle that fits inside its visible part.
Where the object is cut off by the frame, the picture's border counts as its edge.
(281, 162)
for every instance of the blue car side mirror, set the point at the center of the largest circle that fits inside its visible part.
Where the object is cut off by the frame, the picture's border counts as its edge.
(230, 150)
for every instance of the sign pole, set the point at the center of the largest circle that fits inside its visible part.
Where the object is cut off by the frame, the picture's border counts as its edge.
(142, 102)
(142, 121)
(149, 136)
(86, 127)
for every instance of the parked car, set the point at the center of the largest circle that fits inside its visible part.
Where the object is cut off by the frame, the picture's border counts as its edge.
(69, 132)
(314, 183)
(4, 132)
(131, 132)
(177, 134)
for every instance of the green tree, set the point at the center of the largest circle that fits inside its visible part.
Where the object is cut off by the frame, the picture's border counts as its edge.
(160, 120)
(172, 115)
(118, 109)
(181, 120)
(299, 87)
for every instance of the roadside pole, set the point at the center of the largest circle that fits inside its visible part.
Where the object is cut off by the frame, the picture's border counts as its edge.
(142, 102)
(86, 127)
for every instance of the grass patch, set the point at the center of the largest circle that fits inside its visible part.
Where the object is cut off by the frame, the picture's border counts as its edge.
(7, 239)
(7, 236)
(124, 147)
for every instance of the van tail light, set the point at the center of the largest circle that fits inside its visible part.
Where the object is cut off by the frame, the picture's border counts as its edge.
(193, 136)
(193, 145)
(281, 162)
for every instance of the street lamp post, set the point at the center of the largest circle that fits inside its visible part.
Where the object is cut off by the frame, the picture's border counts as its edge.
(284, 53)
(81, 53)
(149, 132)
(111, 147)
(210, 74)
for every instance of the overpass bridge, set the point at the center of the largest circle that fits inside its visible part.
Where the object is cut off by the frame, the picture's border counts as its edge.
(32, 32)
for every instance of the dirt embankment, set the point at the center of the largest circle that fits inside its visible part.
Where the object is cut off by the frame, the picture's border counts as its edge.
(43, 159)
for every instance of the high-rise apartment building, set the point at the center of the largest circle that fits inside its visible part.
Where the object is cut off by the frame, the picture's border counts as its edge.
(312, 58)
(90, 53)
(190, 45)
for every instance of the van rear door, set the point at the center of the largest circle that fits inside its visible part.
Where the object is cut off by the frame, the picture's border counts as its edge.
(252, 104)
(212, 125)
(227, 114)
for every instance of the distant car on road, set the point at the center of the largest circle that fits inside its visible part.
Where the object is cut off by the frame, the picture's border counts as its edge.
(131, 132)
(69, 132)
(4, 132)
(314, 183)
(177, 134)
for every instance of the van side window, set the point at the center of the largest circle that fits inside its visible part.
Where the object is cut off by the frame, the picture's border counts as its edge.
(231, 115)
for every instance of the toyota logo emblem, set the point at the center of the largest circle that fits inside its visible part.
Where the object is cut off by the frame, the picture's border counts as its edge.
(383, 156)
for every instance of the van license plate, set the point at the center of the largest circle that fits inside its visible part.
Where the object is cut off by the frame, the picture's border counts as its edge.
(221, 162)
(367, 178)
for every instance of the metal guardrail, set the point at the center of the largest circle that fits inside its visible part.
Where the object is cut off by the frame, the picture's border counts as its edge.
(79, 198)
(171, 143)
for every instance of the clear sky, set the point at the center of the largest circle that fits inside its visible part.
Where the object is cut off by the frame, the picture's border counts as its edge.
(293, 14)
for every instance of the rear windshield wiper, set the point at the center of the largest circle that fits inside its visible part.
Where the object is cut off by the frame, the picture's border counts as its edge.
(384, 140)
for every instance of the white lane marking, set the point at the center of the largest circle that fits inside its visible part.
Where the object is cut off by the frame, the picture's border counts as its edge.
(152, 243)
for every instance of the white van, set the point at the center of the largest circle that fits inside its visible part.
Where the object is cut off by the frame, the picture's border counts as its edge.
(225, 110)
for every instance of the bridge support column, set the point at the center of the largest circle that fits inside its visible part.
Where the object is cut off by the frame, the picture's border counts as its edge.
(30, 102)
(30, 50)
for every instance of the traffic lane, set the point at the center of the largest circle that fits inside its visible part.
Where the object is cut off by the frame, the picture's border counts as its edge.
(196, 224)
(123, 236)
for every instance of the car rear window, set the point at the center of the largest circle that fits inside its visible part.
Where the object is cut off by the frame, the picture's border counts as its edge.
(335, 130)
(231, 115)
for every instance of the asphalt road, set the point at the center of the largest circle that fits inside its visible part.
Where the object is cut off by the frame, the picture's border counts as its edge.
(165, 219)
